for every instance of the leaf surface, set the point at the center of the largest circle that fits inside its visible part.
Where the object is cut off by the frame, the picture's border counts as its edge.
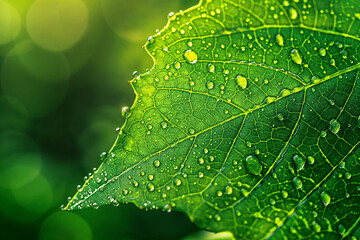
(249, 122)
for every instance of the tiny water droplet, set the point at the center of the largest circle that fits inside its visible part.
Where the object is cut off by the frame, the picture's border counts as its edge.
(325, 197)
(125, 112)
(200, 175)
(322, 52)
(332, 62)
(177, 182)
(323, 134)
(241, 81)
(344, 54)
(201, 161)
(151, 177)
(280, 117)
(164, 124)
(210, 85)
(228, 190)
(279, 39)
(297, 183)
(211, 67)
(151, 187)
(191, 56)
(253, 165)
(299, 162)
(295, 56)
(293, 13)
(191, 131)
(334, 126)
(177, 65)
(157, 163)
(310, 159)
(284, 194)
(136, 74)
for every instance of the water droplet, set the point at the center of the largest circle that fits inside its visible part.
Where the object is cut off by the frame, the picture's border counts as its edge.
(228, 190)
(332, 102)
(241, 81)
(219, 193)
(325, 197)
(201, 161)
(136, 74)
(310, 159)
(299, 162)
(151, 177)
(125, 112)
(177, 182)
(217, 218)
(103, 156)
(322, 52)
(293, 13)
(253, 165)
(164, 124)
(177, 65)
(341, 229)
(191, 56)
(272, 201)
(280, 117)
(316, 227)
(332, 62)
(323, 134)
(157, 163)
(279, 39)
(334, 126)
(191, 131)
(297, 183)
(211, 67)
(125, 191)
(284, 194)
(78, 187)
(344, 54)
(151, 187)
(295, 56)
(200, 175)
(347, 175)
(206, 150)
(210, 85)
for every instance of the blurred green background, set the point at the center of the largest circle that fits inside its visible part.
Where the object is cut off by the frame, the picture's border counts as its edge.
(64, 71)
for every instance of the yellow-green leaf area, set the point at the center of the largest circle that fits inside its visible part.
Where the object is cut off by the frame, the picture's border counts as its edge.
(271, 155)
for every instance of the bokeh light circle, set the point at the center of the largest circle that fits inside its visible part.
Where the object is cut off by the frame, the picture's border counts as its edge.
(37, 80)
(58, 24)
(65, 225)
(10, 23)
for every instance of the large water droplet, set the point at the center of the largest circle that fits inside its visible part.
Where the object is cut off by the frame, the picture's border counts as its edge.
(279, 39)
(310, 159)
(297, 183)
(334, 126)
(325, 197)
(253, 165)
(191, 56)
(299, 162)
(191, 131)
(295, 56)
(136, 74)
(241, 81)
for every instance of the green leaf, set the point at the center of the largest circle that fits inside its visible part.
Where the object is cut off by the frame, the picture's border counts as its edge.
(249, 122)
